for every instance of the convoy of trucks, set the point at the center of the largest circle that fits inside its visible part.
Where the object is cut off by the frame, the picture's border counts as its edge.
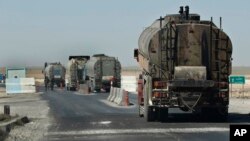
(97, 72)
(186, 64)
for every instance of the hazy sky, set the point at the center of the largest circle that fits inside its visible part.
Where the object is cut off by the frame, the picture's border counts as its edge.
(35, 31)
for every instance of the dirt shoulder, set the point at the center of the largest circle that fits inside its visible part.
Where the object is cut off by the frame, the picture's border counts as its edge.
(32, 106)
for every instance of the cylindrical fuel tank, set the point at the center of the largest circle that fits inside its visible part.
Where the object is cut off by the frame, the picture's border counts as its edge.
(55, 71)
(147, 35)
(100, 66)
(72, 71)
(188, 43)
(75, 69)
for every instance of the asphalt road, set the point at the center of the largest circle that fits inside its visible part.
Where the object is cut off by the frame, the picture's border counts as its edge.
(91, 117)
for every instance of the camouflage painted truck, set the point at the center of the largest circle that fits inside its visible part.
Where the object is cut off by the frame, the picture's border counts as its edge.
(101, 70)
(54, 74)
(186, 63)
(75, 71)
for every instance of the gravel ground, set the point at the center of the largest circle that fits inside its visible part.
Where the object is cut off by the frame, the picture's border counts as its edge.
(35, 108)
(239, 105)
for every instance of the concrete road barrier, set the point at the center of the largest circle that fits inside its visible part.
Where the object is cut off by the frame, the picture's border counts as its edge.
(118, 96)
(20, 85)
(110, 94)
(113, 94)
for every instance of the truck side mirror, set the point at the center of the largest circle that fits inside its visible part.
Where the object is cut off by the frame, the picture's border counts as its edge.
(136, 54)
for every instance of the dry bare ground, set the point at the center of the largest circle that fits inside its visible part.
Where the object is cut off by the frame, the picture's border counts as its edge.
(32, 106)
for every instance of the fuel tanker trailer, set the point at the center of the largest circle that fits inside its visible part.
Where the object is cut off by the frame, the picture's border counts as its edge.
(186, 63)
(101, 70)
(54, 73)
(75, 71)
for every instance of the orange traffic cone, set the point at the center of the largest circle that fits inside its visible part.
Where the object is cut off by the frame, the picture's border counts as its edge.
(126, 98)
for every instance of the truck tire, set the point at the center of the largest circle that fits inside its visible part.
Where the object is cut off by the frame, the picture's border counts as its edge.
(215, 114)
(163, 114)
(222, 114)
(72, 88)
(149, 114)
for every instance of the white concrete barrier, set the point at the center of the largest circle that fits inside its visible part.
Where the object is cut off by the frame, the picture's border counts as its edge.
(117, 95)
(110, 94)
(20, 85)
(114, 94)
(121, 99)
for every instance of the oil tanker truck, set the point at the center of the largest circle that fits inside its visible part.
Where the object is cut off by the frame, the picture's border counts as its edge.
(54, 73)
(75, 71)
(186, 63)
(100, 70)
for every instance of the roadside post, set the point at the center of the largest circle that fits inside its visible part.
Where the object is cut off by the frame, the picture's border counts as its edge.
(233, 79)
(7, 109)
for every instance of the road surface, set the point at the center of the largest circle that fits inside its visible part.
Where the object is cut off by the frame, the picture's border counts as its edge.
(78, 117)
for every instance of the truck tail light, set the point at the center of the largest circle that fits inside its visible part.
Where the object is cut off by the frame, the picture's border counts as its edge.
(159, 84)
(221, 84)
(159, 95)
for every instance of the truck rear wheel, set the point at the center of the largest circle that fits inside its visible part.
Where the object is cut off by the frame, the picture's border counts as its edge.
(223, 114)
(215, 114)
(149, 113)
(72, 88)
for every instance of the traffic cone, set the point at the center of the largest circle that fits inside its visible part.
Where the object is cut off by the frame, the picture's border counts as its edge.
(126, 98)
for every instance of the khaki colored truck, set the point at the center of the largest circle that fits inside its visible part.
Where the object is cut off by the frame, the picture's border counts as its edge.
(186, 63)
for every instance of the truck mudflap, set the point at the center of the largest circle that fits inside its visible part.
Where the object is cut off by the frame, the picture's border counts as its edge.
(156, 113)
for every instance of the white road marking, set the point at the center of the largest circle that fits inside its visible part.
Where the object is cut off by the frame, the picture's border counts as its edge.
(140, 131)
(105, 122)
(77, 93)
(101, 122)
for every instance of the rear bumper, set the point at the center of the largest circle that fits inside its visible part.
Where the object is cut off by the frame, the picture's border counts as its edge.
(201, 93)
